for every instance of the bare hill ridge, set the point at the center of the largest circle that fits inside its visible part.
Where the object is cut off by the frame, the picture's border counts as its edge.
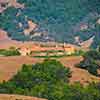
(4, 4)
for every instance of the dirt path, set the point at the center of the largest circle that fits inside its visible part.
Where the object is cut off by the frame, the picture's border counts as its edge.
(17, 97)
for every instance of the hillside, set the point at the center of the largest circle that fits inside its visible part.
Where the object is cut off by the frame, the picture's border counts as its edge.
(48, 79)
(42, 20)
(14, 64)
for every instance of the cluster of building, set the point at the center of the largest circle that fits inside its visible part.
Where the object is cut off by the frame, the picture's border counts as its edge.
(68, 48)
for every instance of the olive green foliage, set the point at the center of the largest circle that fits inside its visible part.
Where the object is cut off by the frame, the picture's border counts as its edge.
(90, 62)
(49, 80)
(55, 54)
(10, 52)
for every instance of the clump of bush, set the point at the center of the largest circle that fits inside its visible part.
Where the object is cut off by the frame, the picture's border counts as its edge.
(10, 52)
(90, 62)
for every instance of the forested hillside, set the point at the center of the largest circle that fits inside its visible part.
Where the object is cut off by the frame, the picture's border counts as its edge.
(60, 20)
